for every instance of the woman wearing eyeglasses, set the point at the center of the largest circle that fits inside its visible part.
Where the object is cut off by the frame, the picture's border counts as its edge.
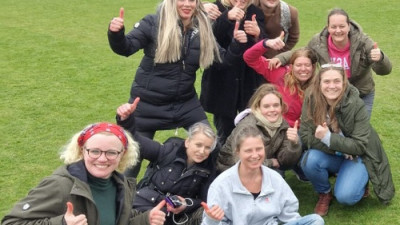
(340, 140)
(180, 167)
(343, 41)
(89, 188)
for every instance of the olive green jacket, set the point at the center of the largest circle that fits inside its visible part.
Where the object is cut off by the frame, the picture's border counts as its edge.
(279, 146)
(358, 139)
(46, 203)
(361, 63)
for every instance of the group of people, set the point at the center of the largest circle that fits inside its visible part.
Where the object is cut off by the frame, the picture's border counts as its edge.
(274, 109)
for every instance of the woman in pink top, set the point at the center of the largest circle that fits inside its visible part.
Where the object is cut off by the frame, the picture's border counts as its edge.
(291, 80)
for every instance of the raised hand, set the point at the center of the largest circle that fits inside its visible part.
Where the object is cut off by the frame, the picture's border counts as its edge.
(212, 10)
(156, 215)
(375, 53)
(292, 133)
(117, 23)
(71, 219)
(125, 110)
(251, 27)
(276, 43)
(321, 131)
(215, 212)
(236, 13)
(239, 35)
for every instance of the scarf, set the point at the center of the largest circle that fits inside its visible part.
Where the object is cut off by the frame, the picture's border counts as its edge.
(270, 127)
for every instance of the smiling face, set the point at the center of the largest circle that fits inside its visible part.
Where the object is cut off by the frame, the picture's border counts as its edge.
(186, 9)
(251, 153)
(198, 148)
(271, 107)
(331, 85)
(339, 28)
(102, 167)
(303, 69)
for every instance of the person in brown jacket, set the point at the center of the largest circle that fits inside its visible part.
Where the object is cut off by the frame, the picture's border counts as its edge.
(280, 16)
(282, 145)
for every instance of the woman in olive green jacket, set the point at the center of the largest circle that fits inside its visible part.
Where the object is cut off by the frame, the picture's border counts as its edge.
(88, 189)
(343, 41)
(282, 143)
(340, 140)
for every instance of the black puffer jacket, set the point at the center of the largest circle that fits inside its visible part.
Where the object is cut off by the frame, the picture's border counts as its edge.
(164, 83)
(231, 87)
(175, 177)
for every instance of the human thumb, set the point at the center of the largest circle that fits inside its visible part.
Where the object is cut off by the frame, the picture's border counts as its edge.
(296, 124)
(70, 209)
(205, 206)
(236, 27)
(253, 17)
(375, 45)
(121, 13)
(238, 4)
(324, 124)
(160, 205)
(282, 36)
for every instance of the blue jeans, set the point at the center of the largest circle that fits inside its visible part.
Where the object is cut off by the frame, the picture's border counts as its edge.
(352, 175)
(369, 102)
(312, 219)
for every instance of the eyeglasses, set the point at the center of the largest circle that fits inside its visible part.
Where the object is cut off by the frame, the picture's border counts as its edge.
(96, 153)
(332, 65)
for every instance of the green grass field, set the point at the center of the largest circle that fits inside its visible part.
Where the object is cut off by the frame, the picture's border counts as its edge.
(58, 74)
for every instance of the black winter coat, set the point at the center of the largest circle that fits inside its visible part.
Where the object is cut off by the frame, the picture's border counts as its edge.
(160, 85)
(175, 178)
(225, 91)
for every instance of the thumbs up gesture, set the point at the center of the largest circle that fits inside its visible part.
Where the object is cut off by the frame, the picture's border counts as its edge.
(216, 213)
(251, 27)
(239, 35)
(321, 131)
(375, 53)
(276, 43)
(236, 13)
(71, 219)
(125, 110)
(117, 23)
(156, 215)
(292, 133)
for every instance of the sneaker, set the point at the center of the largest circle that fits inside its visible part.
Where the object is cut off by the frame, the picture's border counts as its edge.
(300, 174)
(322, 206)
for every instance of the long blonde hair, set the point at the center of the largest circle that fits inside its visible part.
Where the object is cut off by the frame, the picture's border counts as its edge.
(72, 153)
(169, 39)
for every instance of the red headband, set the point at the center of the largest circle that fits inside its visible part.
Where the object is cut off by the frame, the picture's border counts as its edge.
(102, 127)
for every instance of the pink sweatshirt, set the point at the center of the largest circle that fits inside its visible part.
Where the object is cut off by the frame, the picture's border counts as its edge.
(255, 59)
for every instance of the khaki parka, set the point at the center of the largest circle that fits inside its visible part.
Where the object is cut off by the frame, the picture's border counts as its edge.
(286, 152)
(361, 63)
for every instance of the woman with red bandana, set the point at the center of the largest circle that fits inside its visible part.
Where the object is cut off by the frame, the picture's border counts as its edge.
(176, 41)
(89, 188)
(342, 41)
